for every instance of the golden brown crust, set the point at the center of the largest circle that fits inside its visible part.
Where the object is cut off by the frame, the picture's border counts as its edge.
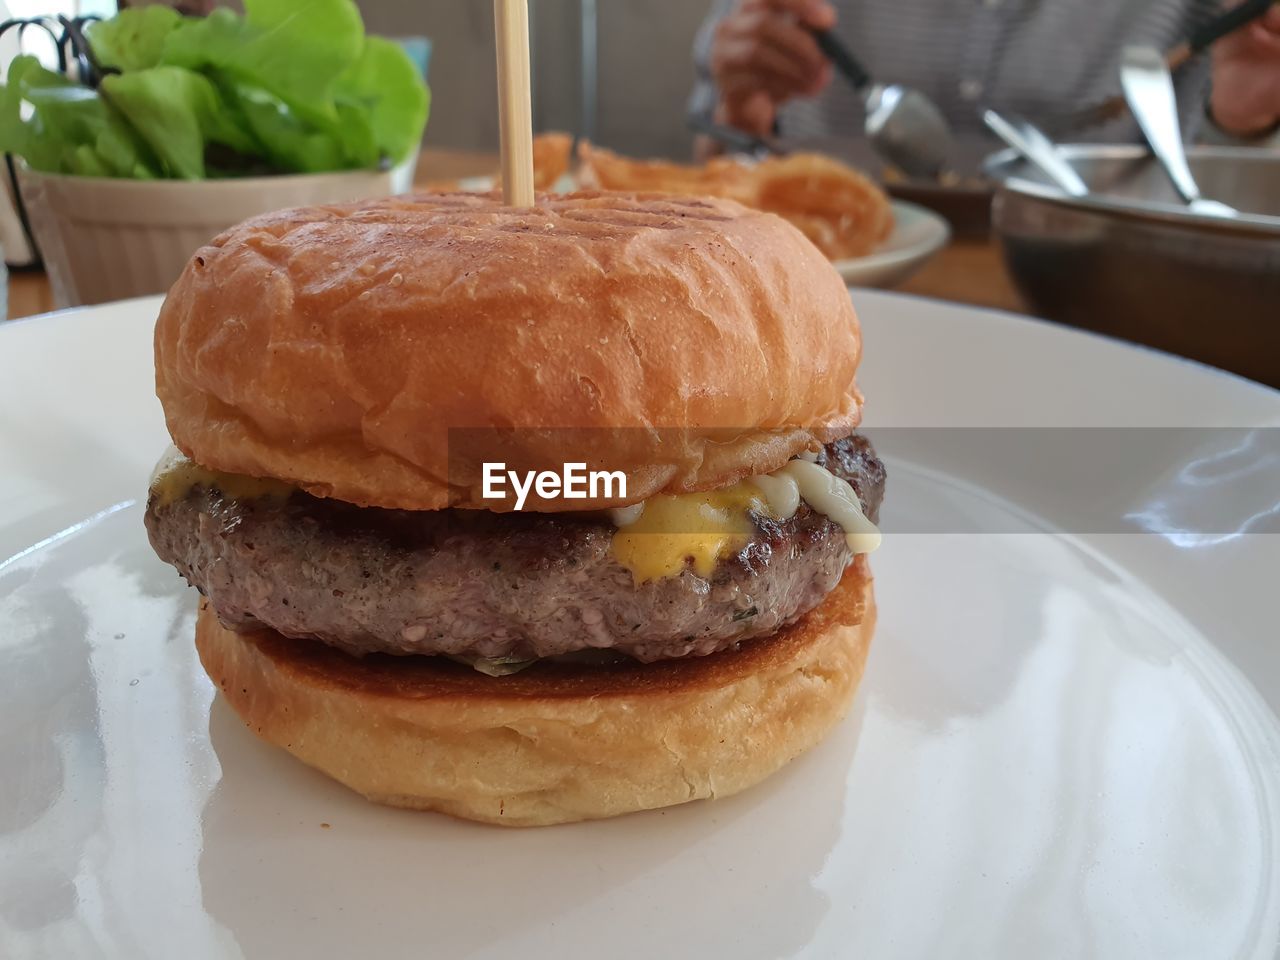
(334, 347)
(558, 742)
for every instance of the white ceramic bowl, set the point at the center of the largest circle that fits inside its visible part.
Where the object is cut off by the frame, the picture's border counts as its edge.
(106, 239)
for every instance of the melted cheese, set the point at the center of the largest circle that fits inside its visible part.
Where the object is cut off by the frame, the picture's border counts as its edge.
(666, 533)
(694, 529)
(176, 475)
(626, 516)
(825, 493)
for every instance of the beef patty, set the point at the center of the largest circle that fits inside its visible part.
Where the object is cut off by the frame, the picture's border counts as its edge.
(502, 587)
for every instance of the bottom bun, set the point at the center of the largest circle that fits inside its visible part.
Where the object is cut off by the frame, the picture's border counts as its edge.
(557, 742)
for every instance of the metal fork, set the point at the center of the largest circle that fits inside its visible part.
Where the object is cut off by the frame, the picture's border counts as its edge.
(1203, 37)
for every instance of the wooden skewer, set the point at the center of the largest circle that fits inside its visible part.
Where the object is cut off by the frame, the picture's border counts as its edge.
(515, 114)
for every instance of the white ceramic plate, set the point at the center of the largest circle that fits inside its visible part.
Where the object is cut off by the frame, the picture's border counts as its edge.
(1065, 746)
(918, 233)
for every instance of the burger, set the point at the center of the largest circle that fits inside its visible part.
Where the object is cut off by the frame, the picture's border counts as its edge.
(354, 395)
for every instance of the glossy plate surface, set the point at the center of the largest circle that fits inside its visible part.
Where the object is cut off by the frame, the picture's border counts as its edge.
(1065, 745)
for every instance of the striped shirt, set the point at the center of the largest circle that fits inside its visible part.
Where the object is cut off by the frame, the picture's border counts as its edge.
(1037, 58)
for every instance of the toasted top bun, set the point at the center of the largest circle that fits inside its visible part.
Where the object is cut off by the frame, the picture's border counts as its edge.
(381, 352)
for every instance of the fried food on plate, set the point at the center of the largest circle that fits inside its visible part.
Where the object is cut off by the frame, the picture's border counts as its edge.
(551, 153)
(720, 177)
(840, 210)
(550, 158)
(835, 206)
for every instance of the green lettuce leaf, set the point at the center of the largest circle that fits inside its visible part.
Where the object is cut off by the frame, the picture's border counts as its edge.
(288, 143)
(134, 38)
(384, 84)
(293, 49)
(18, 136)
(177, 112)
(292, 86)
(354, 134)
(70, 129)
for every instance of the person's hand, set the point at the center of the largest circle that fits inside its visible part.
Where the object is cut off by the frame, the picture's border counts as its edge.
(763, 54)
(1246, 77)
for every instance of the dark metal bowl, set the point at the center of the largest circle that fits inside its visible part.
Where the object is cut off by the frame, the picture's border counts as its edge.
(1131, 261)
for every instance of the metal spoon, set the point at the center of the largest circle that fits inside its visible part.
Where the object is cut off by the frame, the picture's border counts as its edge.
(1029, 141)
(903, 125)
(1148, 89)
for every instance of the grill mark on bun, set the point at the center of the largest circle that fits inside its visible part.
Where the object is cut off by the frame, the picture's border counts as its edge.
(286, 356)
